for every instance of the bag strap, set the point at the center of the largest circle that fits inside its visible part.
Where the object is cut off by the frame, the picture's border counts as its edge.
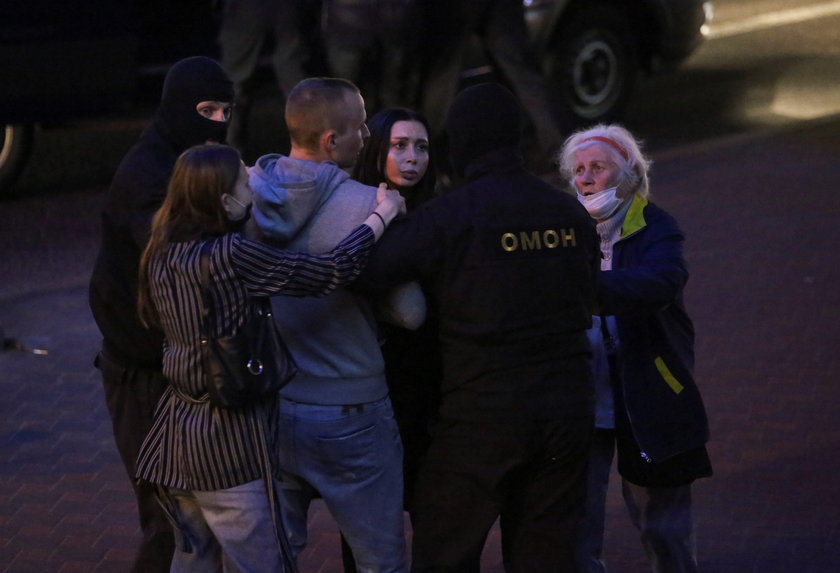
(606, 335)
(288, 563)
(612, 353)
(208, 313)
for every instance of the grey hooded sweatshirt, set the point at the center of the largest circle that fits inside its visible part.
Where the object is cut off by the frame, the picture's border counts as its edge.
(310, 206)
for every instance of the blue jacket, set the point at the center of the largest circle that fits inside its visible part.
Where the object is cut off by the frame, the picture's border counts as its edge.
(644, 291)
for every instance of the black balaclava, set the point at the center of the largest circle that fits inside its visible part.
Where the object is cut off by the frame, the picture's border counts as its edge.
(482, 118)
(187, 83)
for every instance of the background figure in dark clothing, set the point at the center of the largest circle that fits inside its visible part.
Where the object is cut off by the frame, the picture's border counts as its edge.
(373, 43)
(247, 27)
(194, 107)
(499, 25)
(511, 262)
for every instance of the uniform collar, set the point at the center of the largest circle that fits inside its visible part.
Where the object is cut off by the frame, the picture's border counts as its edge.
(498, 160)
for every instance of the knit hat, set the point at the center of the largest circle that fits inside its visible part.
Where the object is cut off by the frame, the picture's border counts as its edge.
(482, 118)
(188, 82)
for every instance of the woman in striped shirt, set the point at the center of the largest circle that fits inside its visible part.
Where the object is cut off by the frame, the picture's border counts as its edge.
(208, 461)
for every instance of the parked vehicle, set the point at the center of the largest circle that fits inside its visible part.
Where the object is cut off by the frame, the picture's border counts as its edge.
(63, 61)
(593, 50)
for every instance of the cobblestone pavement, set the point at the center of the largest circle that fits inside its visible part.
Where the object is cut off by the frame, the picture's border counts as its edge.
(761, 215)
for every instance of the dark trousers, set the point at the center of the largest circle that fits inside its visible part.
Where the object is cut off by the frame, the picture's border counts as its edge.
(131, 396)
(501, 29)
(373, 44)
(529, 474)
(247, 26)
(662, 515)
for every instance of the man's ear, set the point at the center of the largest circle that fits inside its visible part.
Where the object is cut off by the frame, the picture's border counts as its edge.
(328, 140)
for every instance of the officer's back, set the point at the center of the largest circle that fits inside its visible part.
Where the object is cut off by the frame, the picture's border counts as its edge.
(511, 261)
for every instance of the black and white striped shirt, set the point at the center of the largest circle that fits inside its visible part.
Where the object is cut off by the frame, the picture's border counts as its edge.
(196, 445)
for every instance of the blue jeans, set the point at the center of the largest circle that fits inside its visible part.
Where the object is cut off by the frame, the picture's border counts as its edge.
(235, 523)
(661, 514)
(351, 456)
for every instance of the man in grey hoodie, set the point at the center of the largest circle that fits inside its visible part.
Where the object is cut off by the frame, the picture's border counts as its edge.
(338, 438)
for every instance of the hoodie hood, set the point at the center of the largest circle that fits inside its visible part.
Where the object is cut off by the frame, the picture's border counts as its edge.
(288, 192)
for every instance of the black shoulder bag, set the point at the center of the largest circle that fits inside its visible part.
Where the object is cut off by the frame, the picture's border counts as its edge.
(248, 365)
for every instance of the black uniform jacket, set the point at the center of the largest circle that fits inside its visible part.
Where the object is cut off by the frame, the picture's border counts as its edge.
(511, 262)
(136, 192)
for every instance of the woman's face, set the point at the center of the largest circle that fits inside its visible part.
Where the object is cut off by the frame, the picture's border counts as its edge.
(595, 170)
(408, 154)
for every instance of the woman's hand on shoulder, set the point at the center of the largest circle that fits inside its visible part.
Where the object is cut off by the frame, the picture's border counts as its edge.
(390, 199)
(389, 204)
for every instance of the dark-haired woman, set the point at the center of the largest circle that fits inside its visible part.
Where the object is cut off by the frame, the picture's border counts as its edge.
(398, 154)
(209, 462)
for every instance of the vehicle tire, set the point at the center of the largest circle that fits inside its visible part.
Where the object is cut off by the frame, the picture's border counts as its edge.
(15, 145)
(592, 63)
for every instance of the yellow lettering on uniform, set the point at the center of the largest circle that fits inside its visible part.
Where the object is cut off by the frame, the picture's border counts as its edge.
(568, 237)
(551, 239)
(509, 242)
(532, 242)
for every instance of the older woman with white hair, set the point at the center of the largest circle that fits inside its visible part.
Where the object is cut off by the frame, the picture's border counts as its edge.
(648, 408)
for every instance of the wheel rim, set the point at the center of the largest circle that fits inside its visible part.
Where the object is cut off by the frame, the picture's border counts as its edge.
(595, 75)
(6, 143)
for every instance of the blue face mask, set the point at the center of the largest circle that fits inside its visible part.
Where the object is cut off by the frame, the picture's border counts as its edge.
(602, 205)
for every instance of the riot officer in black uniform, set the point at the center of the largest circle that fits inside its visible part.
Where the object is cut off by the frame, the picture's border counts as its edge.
(512, 262)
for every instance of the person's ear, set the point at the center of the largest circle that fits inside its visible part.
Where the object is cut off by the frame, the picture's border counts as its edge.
(227, 203)
(328, 142)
